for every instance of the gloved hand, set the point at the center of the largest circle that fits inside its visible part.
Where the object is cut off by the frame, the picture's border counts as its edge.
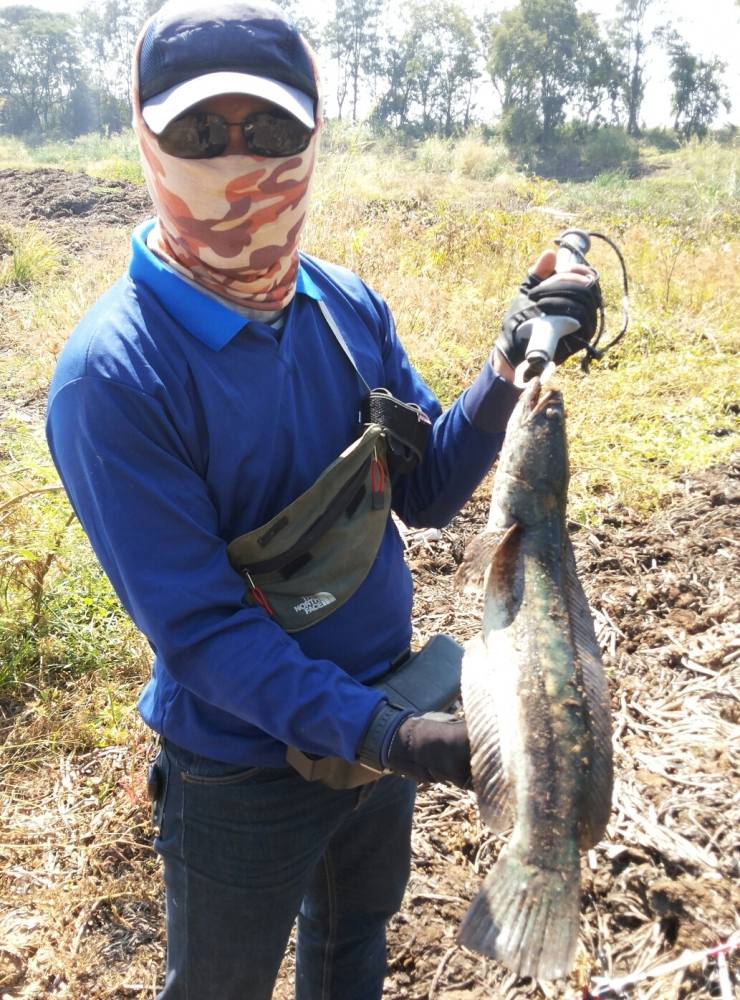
(432, 747)
(574, 293)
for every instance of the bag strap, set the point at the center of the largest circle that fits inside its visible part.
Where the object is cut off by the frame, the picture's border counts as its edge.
(406, 424)
(340, 339)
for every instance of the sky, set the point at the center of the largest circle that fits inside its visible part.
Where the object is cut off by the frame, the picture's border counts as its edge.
(712, 28)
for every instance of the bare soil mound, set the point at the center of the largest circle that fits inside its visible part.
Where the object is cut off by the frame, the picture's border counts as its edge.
(80, 887)
(51, 195)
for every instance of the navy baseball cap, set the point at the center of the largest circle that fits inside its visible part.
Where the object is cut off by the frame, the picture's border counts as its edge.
(191, 51)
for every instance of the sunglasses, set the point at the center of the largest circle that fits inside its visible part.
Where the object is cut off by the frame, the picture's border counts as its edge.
(198, 135)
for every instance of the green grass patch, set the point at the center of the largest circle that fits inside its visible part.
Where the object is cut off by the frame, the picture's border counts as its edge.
(636, 427)
(26, 256)
(695, 188)
(58, 614)
(59, 617)
(115, 157)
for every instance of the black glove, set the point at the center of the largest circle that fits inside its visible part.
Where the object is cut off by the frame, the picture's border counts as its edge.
(566, 298)
(432, 747)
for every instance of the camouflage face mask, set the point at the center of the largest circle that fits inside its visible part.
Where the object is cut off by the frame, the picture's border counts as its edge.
(230, 223)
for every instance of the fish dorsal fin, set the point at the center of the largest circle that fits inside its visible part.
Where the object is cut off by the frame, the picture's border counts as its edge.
(479, 556)
(479, 691)
(598, 798)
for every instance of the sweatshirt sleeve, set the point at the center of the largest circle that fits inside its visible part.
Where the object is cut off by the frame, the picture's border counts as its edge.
(154, 529)
(464, 441)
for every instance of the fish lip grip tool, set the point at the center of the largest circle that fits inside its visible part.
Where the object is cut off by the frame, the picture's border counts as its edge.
(544, 332)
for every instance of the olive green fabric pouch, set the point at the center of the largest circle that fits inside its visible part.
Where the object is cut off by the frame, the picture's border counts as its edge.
(313, 555)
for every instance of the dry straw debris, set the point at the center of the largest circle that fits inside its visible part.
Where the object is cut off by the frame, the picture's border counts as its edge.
(80, 911)
(664, 882)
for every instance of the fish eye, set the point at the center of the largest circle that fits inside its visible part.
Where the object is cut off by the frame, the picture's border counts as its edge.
(552, 413)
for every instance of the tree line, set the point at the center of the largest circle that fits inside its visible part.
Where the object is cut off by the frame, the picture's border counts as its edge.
(415, 70)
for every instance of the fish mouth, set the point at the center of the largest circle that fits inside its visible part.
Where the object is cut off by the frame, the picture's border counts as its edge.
(540, 399)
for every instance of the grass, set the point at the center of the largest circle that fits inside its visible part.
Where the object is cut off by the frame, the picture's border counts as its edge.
(115, 157)
(444, 231)
(27, 257)
(694, 188)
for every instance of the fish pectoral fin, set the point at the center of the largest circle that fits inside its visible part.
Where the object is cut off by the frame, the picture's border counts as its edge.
(598, 797)
(480, 555)
(505, 579)
(481, 714)
(526, 917)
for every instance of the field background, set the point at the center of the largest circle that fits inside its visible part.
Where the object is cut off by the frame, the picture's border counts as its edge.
(445, 231)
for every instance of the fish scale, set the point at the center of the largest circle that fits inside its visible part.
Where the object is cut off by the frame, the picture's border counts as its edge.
(536, 703)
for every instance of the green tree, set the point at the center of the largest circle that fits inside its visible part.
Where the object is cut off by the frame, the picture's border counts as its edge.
(534, 61)
(352, 36)
(457, 53)
(39, 67)
(595, 98)
(394, 104)
(83, 114)
(430, 69)
(698, 90)
(110, 30)
(631, 43)
(511, 62)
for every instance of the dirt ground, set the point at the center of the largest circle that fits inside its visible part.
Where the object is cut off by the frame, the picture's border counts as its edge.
(80, 896)
(57, 197)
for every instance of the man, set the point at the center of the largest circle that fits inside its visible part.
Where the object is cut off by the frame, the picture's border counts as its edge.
(204, 421)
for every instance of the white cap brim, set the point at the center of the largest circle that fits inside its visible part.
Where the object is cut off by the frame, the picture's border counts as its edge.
(165, 107)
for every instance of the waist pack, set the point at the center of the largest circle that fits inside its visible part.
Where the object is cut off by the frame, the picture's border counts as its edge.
(314, 554)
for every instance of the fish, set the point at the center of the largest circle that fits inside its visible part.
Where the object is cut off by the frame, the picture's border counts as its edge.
(536, 701)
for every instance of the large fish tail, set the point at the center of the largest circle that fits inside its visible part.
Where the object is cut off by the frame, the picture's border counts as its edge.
(526, 917)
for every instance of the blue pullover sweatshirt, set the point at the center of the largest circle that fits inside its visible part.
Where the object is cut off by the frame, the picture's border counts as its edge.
(177, 425)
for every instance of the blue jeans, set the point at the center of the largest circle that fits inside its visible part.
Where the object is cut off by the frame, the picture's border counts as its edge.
(247, 850)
